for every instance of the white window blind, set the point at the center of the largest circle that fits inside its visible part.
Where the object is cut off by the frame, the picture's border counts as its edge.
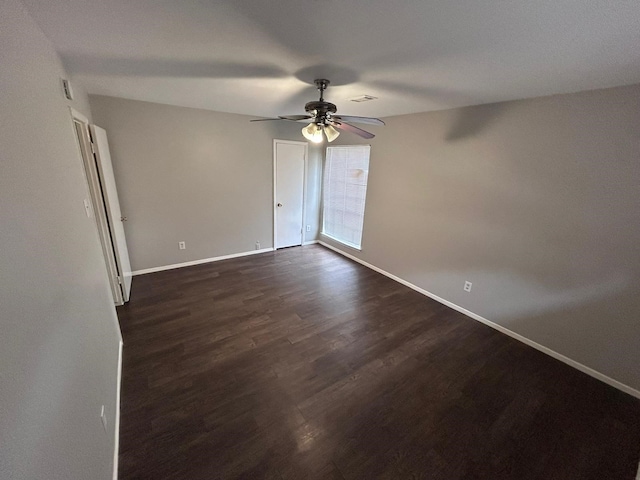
(345, 190)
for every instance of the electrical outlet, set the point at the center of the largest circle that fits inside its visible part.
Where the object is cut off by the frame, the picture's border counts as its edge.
(103, 417)
(182, 246)
(257, 244)
(467, 286)
(308, 228)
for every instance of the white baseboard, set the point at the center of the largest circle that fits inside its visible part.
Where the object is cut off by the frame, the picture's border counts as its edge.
(116, 444)
(198, 262)
(310, 242)
(558, 356)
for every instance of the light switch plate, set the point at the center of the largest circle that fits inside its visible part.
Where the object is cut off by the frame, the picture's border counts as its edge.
(103, 418)
(87, 207)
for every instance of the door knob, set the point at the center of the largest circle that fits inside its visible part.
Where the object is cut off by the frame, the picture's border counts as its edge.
(279, 204)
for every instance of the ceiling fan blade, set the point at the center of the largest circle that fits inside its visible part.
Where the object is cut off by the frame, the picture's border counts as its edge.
(367, 120)
(292, 118)
(295, 118)
(352, 129)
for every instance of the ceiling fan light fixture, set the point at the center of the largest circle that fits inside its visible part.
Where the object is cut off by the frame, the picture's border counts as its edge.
(313, 133)
(323, 118)
(331, 133)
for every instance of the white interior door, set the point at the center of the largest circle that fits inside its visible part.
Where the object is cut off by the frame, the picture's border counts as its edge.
(81, 125)
(289, 167)
(112, 206)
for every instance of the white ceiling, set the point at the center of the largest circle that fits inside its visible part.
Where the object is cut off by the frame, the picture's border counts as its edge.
(259, 57)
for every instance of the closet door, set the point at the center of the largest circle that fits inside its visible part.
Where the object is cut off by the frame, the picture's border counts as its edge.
(112, 206)
(289, 175)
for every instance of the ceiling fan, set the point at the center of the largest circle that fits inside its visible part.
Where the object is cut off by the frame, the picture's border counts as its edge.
(322, 117)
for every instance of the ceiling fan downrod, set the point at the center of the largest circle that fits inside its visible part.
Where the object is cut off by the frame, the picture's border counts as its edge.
(321, 84)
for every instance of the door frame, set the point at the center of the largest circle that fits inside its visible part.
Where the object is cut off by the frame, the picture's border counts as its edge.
(97, 203)
(276, 141)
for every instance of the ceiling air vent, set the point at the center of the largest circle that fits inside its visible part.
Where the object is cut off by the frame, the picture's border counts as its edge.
(363, 98)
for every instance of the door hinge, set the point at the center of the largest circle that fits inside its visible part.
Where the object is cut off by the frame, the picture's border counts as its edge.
(93, 148)
(119, 280)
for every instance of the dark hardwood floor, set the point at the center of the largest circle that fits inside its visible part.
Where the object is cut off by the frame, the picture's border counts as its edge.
(301, 364)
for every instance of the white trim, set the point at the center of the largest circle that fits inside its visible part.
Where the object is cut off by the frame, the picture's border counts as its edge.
(311, 242)
(78, 116)
(116, 445)
(198, 262)
(638, 474)
(558, 356)
(273, 201)
(342, 242)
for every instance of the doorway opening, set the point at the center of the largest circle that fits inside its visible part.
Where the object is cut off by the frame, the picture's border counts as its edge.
(96, 162)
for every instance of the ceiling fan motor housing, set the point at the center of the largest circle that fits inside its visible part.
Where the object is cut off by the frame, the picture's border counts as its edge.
(320, 110)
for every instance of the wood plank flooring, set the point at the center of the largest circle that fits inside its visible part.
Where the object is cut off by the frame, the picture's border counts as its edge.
(301, 364)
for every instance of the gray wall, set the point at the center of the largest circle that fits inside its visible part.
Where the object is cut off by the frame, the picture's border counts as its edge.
(198, 176)
(59, 335)
(536, 202)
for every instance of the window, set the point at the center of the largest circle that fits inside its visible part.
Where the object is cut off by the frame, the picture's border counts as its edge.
(345, 189)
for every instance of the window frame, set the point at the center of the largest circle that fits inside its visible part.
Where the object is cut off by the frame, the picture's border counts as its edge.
(324, 197)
